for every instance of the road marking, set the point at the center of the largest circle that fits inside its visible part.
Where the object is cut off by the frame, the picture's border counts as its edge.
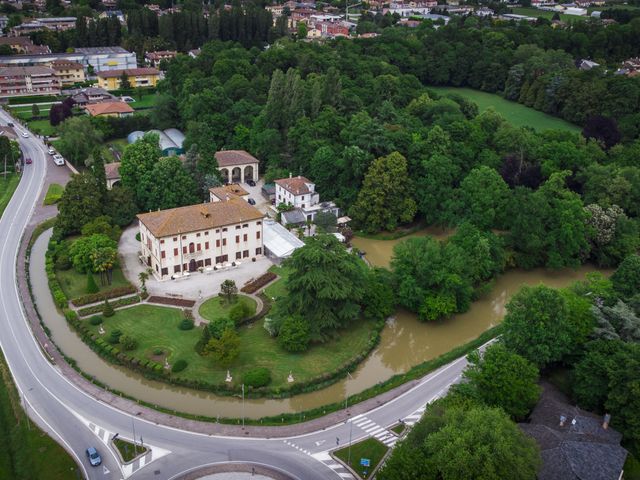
(105, 470)
(320, 442)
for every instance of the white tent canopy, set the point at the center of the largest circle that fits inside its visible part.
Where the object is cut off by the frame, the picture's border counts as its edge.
(279, 241)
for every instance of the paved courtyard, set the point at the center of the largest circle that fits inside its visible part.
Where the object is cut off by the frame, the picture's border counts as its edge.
(194, 287)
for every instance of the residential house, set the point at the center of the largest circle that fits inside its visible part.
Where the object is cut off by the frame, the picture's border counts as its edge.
(138, 77)
(630, 67)
(201, 236)
(112, 174)
(109, 109)
(114, 14)
(24, 45)
(154, 58)
(300, 193)
(88, 95)
(20, 81)
(56, 24)
(237, 166)
(575, 444)
(68, 72)
(220, 194)
(587, 64)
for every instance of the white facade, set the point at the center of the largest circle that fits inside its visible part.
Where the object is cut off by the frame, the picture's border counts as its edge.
(303, 200)
(301, 193)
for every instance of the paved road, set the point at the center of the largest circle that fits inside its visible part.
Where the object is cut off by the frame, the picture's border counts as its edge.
(78, 420)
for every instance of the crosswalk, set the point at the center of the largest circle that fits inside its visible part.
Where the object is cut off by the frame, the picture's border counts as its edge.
(337, 467)
(374, 430)
(412, 419)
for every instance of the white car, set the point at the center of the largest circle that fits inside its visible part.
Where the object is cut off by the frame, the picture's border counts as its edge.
(51, 151)
(25, 134)
(58, 160)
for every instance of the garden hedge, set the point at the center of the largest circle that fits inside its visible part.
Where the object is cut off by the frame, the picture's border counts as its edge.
(105, 295)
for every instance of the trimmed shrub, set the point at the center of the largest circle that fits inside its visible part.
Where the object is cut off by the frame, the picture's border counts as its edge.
(239, 312)
(97, 320)
(257, 377)
(108, 311)
(104, 295)
(186, 324)
(258, 283)
(92, 286)
(158, 351)
(114, 337)
(294, 335)
(179, 366)
(128, 342)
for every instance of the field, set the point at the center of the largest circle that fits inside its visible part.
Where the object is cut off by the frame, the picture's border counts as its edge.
(371, 449)
(515, 113)
(217, 307)
(7, 187)
(147, 101)
(41, 127)
(157, 328)
(25, 451)
(74, 284)
(54, 192)
(536, 12)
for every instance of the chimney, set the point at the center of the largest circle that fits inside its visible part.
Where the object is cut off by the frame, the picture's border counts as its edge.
(562, 420)
(606, 420)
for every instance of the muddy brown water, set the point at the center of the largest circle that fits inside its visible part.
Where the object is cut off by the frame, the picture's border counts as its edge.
(405, 342)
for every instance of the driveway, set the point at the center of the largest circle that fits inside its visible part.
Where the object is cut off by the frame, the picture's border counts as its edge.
(262, 204)
(197, 285)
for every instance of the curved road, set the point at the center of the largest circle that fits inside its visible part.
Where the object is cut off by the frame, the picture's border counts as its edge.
(78, 420)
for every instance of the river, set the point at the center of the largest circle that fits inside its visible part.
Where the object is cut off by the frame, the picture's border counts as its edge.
(404, 343)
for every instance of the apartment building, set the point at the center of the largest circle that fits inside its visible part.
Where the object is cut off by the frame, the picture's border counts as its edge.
(56, 24)
(98, 58)
(18, 81)
(68, 72)
(138, 77)
(202, 236)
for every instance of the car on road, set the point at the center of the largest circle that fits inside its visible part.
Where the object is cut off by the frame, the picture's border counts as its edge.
(251, 183)
(10, 124)
(28, 161)
(94, 457)
(251, 201)
(25, 134)
(58, 160)
(51, 151)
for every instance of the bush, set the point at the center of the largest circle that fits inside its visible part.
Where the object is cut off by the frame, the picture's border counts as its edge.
(257, 377)
(97, 320)
(138, 236)
(186, 324)
(258, 283)
(128, 343)
(219, 325)
(179, 366)
(294, 335)
(114, 337)
(63, 262)
(158, 351)
(108, 311)
(92, 286)
(239, 312)
(104, 295)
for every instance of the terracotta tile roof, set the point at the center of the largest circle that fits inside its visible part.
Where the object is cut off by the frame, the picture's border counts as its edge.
(66, 64)
(104, 108)
(296, 185)
(233, 189)
(165, 223)
(131, 72)
(229, 158)
(112, 170)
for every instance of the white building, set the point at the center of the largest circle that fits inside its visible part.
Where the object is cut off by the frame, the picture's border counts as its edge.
(300, 192)
(202, 236)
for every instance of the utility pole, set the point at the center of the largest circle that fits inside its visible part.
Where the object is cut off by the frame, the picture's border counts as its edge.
(243, 405)
(133, 427)
(350, 433)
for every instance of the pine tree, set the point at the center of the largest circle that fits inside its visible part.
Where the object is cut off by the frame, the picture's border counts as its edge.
(92, 287)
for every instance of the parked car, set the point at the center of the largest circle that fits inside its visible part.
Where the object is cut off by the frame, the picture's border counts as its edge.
(28, 161)
(251, 183)
(10, 124)
(25, 134)
(94, 457)
(52, 151)
(58, 160)
(273, 201)
(251, 201)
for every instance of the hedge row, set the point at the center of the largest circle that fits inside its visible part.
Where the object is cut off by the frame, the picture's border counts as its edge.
(258, 283)
(110, 352)
(121, 302)
(266, 308)
(59, 297)
(176, 302)
(102, 296)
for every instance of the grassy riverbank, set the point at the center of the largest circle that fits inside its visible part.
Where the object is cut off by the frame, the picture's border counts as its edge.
(25, 451)
(515, 113)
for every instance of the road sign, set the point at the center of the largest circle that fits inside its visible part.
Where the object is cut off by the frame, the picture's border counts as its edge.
(365, 462)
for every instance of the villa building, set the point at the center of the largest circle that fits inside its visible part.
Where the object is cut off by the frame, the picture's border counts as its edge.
(300, 193)
(186, 239)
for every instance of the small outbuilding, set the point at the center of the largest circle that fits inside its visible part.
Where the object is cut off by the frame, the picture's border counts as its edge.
(237, 166)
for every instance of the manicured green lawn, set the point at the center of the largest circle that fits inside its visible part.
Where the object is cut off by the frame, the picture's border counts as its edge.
(27, 452)
(42, 127)
(370, 448)
(147, 101)
(217, 307)
(8, 185)
(515, 113)
(54, 192)
(74, 284)
(157, 327)
(277, 289)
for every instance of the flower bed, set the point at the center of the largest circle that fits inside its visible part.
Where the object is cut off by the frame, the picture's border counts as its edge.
(176, 302)
(258, 283)
(121, 302)
(102, 296)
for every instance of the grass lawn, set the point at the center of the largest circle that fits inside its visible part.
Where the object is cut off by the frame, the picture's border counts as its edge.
(277, 289)
(128, 451)
(54, 192)
(7, 187)
(217, 307)
(370, 448)
(27, 452)
(157, 327)
(42, 127)
(515, 113)
(74, 284)
(399, 428)
(147, 101)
